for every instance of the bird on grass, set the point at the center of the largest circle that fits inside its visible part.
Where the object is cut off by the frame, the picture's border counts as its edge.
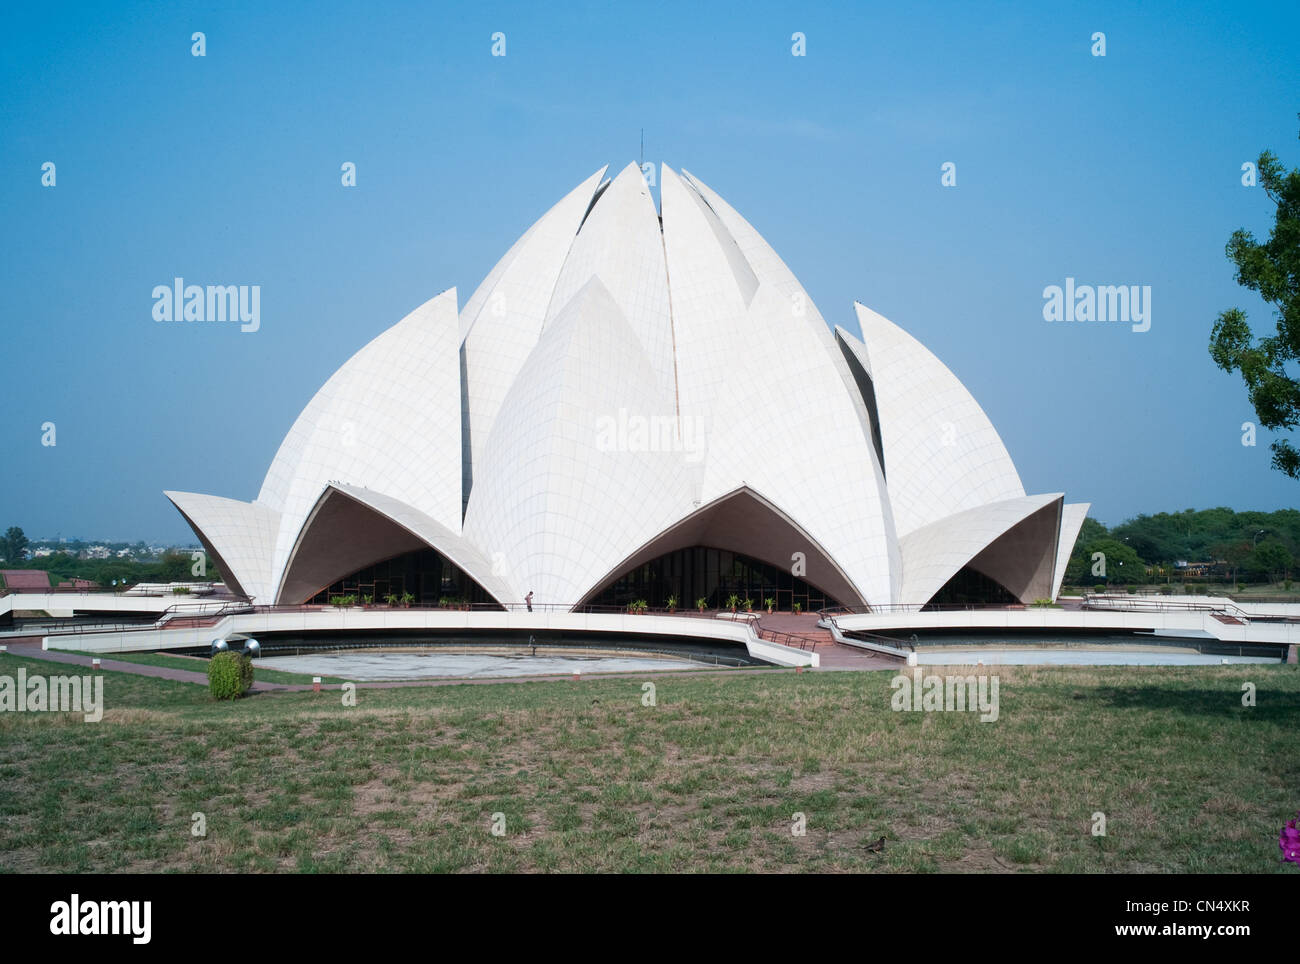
(877, 847)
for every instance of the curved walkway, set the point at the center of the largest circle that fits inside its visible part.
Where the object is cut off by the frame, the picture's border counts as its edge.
(29, 647)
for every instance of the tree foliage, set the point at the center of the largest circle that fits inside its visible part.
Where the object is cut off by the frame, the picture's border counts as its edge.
(172, 566)
(13, 545)
(1272, 270)
(1262, 544)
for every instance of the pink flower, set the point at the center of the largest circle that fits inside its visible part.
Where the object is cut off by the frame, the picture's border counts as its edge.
(1289, 841)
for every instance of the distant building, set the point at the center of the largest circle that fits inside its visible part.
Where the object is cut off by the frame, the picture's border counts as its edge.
(25, 580)
(79, 584)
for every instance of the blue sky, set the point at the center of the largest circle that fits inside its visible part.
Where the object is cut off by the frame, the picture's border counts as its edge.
(225, 170)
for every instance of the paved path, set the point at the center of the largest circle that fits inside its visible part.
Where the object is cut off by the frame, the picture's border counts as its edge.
(30, 648)
(833, 655)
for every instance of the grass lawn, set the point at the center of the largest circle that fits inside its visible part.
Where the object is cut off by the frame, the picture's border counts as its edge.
(588, 778)
(199, 664)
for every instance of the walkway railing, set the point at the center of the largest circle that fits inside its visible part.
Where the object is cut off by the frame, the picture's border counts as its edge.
(785, 639)
(173, 617)
(1162, 604)
(1094, 601)
(211, 612)
(885, 609)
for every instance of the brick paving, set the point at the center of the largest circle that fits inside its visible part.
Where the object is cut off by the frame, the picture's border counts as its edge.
(833, 655)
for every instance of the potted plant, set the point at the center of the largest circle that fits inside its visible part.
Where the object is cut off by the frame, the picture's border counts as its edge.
(769, 602)
(749, 605)
(407, 599)
(798, 608)
(391, 599)
(733, 601)
(672, 604)
(641, 607)
(701, 603)
(367, 601)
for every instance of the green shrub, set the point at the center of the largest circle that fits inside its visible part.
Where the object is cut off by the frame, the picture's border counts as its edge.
(230, 675)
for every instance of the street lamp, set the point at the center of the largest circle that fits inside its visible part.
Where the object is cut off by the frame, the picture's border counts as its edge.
(1255, 543)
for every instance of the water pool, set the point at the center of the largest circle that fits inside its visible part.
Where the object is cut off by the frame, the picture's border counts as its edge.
(371, 665)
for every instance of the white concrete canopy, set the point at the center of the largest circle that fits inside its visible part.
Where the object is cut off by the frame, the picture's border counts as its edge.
(351, 528)
(240, 537)
(942, 454)
(625, 379)
(563, 491)
(1072, 517)
(503, 319)
(388, 420)
(746, 523)
(935, 553)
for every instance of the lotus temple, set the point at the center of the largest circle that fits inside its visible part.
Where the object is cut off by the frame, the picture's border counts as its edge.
(641, 403)
(639, 422)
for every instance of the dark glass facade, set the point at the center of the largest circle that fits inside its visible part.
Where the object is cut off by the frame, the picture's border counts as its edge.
(970, 587)
(425, 574)
(701, 572)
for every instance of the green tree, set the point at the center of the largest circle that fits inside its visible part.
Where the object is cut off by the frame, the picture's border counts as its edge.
(174, 567)
(1123, 565)
(1077, 570)
(1272, 269)
(14, 545)
(1236, 553)
(1271, 558)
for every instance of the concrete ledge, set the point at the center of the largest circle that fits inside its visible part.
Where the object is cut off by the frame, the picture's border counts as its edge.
(1180, 623)
(362, 621)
